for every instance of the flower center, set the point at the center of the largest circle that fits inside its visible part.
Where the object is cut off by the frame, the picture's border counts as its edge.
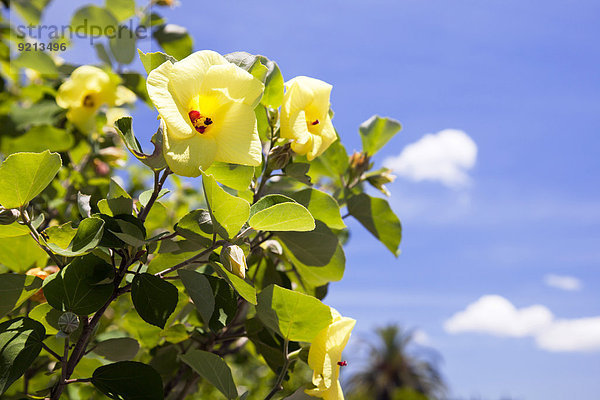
(199, 121)
(88, 101)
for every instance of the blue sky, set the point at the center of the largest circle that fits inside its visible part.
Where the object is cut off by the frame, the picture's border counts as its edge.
(521, 80)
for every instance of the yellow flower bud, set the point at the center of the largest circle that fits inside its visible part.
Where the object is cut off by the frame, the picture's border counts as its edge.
(305, 116)
(234, 260)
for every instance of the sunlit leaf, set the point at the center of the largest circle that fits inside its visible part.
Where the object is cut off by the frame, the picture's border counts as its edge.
(24, 175)
(296, 316)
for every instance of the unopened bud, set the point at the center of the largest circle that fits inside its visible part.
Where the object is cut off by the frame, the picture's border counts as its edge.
(68, 322)
(234, 260)
(380, 178)
(359, 163)
(279, 156)
(272, 246)
(101, 167)
(8, 216)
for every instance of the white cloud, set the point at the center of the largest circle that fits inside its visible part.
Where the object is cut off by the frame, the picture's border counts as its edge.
(563, 282)
(581, 334)
(495, 315)
(444, 157)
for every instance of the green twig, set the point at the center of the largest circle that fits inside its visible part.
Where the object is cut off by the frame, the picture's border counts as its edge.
(286, 364)
(36, 236)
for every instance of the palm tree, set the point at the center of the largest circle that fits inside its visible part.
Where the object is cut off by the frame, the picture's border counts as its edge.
(394, 373)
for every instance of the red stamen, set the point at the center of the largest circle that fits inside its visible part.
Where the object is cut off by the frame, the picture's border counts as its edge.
(342, 363)
(201, 129)
(315, 122)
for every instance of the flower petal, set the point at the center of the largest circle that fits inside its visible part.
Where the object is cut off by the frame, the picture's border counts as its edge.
(188, 74)
(189, 155)
(170, 110)
(237, 136)
(323, 140)
(237, 84)
(83, 118)
(310, 94)
(124, 96)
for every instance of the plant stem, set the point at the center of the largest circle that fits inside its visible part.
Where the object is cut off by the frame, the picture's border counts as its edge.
(158, 184)
(49, 350)
(58, 389)
(36, 236)
(81, 380)
(281, 376)
(187, 262)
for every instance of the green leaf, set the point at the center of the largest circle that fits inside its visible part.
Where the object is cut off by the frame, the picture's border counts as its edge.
(30, 10)
(196, 226)
(376, 215)
(116, 206)
(266, 71)
(146, 195)
(47, 316)
(15, 289)
(313, 276)
(102, 53)
(115, 190)
(122, 45)
(122, 230)
(314, 248)
(154, 60)
(174, 40)
(128, 380)
(155, 160)
(90, 19)
(298, 171)
(43, 112)
(332, 163)
(20, 253)
(376, 132)
(200, 291)
(153, 298)
(121, 9)
(118, 349)
(225, 303)
(229, 213)
(82, 287)
(36, 60)
(243, 288)
(24, 175)
(37, 139)
(276, 212)
(20, 344)
(296, 316)
(212, 368)
(13, 230)
(86, 237)
(267, 344)
(321, 205)
(235, 176)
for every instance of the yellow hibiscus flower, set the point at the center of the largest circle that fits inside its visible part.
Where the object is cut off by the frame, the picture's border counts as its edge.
(325, 357)
(87, 89)
(305, 116)
(207, 104)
